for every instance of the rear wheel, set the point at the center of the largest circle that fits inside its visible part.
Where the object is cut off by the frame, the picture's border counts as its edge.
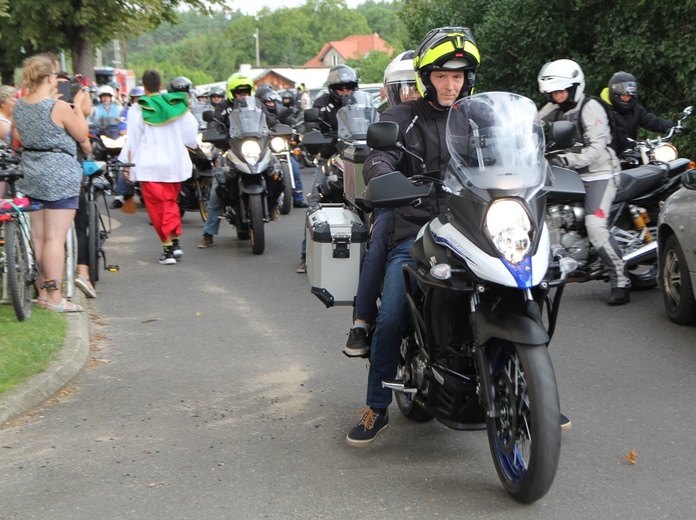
(93, 241)
(525, 439)
(677, 291)
(256, 224)
(205, 184)
(407, 401)
(20, 274)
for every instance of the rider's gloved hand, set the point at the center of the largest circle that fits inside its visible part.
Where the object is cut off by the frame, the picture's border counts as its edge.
(559, 160)
(683, 130)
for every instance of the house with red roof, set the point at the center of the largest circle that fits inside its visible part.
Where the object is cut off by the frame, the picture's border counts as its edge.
(350, 47)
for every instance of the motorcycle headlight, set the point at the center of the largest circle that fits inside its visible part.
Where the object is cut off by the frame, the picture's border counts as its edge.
(251, 152)
(665, 152)
(278, 144)
(119, 142)
(510, 229)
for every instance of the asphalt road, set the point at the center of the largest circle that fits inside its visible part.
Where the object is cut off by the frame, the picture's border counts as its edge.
(217, 390)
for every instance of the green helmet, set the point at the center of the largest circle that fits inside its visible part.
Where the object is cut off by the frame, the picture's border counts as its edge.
(239, 83)
(446, 48)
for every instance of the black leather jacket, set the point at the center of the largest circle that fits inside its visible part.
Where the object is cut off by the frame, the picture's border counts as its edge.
(423, 133)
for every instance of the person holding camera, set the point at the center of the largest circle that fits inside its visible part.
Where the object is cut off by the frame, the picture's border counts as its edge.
(48, 129)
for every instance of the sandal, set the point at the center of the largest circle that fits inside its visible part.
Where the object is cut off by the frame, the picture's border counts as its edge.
(83, 285)
(41, 301)
(63, 307)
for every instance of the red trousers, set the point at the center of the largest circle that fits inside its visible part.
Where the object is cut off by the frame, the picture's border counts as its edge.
(160, 200)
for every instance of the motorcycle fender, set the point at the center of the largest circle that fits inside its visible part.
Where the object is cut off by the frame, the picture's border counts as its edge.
(512, 327)
(252, 189)
(646, 254)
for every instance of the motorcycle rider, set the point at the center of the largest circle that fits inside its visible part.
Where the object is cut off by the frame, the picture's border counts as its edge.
(622, 94)
(341, 81)
(276, 113)
(105, 116)
(239, 86)
(563, 82)
(400, 87)
(217, 95)
(445, 64)
(124, 189)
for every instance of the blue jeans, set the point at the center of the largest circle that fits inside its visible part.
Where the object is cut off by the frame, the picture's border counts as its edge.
(297, 195)
(392, 324)
(372, 270)
(319, 180)
(215, 209)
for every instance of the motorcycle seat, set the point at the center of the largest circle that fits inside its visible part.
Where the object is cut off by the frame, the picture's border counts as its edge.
(637, 181)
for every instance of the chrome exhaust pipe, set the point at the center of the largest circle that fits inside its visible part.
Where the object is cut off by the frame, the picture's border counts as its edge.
(647, 252)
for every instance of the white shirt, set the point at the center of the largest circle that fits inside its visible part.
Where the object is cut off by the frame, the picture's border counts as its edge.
(159, 152)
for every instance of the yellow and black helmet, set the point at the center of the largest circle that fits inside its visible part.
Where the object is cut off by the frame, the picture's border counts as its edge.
(237, 83)
(446, 48)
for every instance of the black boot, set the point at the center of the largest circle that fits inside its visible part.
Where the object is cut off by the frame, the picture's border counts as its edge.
(619, 296)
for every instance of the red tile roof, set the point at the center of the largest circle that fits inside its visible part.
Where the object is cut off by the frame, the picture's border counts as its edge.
(356, 46)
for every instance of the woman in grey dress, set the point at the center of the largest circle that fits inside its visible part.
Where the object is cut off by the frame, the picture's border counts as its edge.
(48, 129)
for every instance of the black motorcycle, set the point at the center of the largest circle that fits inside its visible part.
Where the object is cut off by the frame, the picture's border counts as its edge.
(632, 222)
(250, 178)
(475, 355)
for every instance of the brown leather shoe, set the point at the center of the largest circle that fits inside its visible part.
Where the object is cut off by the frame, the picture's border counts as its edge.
(206, 242)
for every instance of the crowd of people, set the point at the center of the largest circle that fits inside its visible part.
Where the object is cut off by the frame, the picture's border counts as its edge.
(420, 87)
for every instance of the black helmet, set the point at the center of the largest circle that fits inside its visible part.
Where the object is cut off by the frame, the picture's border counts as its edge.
(446, 48)
(341, 76)
(288, 98)
(179, 84)
(268, 97)
(623, 83)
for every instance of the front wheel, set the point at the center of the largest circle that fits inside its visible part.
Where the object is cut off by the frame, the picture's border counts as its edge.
(677, 291)
(94, 241)
(286, 197)
(256, 224)
(525, 439)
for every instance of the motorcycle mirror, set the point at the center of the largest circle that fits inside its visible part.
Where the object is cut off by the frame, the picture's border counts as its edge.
(562, 135)
(689, 179)
(393, 190)
(688, 110)
(282, 111)
(208, 116)
(383, 135)
(311, 115)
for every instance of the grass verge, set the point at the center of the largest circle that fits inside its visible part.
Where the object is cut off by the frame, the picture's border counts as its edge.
(27, 347)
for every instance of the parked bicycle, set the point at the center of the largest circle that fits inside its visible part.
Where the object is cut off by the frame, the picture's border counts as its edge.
(98, 225)
(19, 267)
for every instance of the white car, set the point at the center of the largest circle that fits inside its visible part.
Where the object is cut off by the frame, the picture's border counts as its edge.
(676, 238)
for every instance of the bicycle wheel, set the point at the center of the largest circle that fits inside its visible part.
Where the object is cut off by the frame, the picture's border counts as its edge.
(19, 271)
(93, 241)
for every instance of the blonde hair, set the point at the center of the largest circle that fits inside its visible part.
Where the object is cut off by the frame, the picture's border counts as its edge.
(6, 92)
(36, 69)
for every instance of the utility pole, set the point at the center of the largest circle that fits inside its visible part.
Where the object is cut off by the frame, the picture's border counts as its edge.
(256, 37)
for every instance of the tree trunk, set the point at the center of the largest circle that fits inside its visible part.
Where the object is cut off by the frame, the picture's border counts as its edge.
(82, 55)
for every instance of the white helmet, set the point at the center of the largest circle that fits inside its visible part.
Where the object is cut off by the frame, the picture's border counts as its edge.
(400, 78)
(562, 75)
(105, 89)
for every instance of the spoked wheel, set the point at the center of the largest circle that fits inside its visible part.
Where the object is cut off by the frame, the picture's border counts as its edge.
(256, 224)
(94, 241)
(20, 272)
(525, 440)
(286, 197)
(206, 184)
(677, 291)
(407, 402)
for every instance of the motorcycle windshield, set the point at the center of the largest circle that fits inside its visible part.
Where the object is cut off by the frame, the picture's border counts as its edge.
(355, 116)
(197, 109)
(247, 119)
(497, 144)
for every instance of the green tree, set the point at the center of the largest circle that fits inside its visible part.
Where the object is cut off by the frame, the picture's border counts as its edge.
(370, 69)
(383, 19)
(78, 25)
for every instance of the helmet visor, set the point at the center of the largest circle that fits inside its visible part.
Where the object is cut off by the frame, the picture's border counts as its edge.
(401, 91)
(629, 88)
